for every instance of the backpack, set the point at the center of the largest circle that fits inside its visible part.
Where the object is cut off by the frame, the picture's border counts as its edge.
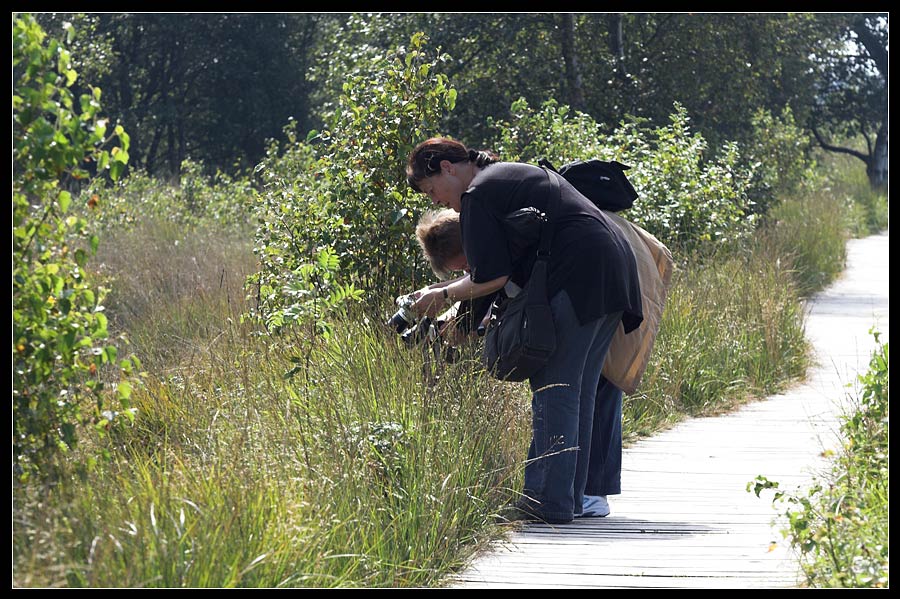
(604, 183)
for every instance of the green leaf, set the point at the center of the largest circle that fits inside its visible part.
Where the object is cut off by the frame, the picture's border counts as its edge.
(292, 372)
(124, 390)
(80, 257)
(100, 331)
(398, 215)
(109, 354)
(100, 129)
(65, 199)
(115, 170)
(70, 32)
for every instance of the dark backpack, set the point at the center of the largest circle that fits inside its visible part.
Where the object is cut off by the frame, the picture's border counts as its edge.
(603, 183)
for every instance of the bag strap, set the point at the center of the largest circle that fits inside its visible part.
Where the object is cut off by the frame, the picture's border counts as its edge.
(547, 230)
(537, 282)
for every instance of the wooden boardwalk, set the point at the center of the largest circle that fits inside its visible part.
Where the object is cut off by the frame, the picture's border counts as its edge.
(685, 518)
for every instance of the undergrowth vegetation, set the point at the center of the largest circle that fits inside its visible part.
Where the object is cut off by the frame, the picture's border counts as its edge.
(283, 437)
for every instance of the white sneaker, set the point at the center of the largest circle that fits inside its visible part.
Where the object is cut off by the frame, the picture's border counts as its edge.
(594, 506)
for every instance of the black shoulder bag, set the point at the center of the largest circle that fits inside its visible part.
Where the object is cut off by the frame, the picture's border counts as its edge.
(520, 341)
(602, 182)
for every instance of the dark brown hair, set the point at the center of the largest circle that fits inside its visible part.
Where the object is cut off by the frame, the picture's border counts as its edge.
(425, 159)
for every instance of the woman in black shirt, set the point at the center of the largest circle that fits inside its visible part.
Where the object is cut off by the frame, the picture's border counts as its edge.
(593, 286)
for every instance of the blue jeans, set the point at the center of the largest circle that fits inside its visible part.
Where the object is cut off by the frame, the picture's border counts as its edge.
(605, 467)
(563, 404)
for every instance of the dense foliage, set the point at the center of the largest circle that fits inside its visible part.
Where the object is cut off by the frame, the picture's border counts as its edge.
(685, 199)
(212, 87)
(347, 205)
(60, 350)
(851, 92)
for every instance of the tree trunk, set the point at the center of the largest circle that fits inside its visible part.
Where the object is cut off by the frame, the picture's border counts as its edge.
(150, 157)
(616, 43)
(573, 73)
(174, 170)
(878, 167)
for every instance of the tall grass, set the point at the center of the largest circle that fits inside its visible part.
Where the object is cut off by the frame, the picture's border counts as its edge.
(865, 210)
(174, 288)
(372, 465)
(352, 460)
(810, 233)
(357, 473)
(732, 330)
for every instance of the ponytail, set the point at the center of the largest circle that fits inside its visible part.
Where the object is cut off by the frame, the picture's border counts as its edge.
(482, 158)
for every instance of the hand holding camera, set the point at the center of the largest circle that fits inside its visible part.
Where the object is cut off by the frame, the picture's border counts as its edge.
(415, 329)
(405, 316)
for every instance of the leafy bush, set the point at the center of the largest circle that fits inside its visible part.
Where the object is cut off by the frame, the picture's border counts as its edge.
(59, 328)
(780, 155)
(684, 200)
(351, 208)
(220, 199)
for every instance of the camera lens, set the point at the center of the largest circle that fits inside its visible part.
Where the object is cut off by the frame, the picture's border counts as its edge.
(399, 322)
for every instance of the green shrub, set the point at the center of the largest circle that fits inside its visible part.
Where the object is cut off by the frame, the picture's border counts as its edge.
(780, 155)
(59, 328)
(685, 200)
(220, 199)
(352, 208)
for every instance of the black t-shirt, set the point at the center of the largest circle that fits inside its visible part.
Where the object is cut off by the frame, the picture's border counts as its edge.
(589, 257)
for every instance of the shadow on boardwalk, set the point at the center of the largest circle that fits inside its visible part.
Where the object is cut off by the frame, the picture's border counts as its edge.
(685, 518)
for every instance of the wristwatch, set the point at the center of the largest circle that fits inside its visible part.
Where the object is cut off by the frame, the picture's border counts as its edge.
(447, 297)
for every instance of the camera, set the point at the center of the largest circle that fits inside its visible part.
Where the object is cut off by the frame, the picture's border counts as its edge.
(404, 317)
(425, 330)
(414, 332)
(427, 333)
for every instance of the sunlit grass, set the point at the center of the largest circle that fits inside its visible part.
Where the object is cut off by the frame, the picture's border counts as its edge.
(353, 460)
(732, 330)
(865, 210)
(370, 466)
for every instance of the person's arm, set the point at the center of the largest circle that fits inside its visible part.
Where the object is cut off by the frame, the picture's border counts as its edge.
(432, 299)
(441, 284)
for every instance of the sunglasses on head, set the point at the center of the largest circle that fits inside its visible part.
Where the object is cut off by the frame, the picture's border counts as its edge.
(432, 165)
